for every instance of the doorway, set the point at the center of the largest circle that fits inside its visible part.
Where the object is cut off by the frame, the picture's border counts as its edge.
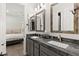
(14, 29)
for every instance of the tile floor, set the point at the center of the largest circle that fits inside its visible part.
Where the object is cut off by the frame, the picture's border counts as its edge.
(15, 50)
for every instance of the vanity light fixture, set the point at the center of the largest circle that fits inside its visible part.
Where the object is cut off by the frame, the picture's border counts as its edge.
(27, 24)
(74, 11)
(42, 4)
(36, 9)
(39, 6)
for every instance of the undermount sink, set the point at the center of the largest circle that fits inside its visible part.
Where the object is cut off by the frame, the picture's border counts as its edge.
(58, 44)
(34, 37)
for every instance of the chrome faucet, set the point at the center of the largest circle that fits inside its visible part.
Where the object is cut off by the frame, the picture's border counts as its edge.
(59, 37)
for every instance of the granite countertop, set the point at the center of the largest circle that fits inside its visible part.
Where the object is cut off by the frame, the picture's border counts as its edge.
(72, 49)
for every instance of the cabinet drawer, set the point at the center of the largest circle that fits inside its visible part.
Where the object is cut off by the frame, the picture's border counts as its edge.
(31, 47)
(43, 54)
(36, 51)
(48, 51)
(54, 52)
(36, 45)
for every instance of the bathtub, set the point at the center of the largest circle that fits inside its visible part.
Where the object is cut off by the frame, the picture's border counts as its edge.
(11, 37)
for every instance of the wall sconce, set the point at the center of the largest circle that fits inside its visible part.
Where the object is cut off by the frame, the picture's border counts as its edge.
(27, 24)
(42, 5)
(36, 9)
(73, 12)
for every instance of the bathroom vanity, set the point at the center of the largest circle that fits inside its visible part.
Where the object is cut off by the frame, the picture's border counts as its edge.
(41, 46)
(63, 20)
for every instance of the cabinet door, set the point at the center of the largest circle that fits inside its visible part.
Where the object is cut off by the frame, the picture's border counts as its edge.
(47, 51)
(53, 51)
(43, 54)
(29, 47)
(36, 49)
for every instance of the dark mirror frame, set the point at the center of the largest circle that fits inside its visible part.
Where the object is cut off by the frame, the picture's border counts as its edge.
(43, 11)
(33, 18)
(51, 24)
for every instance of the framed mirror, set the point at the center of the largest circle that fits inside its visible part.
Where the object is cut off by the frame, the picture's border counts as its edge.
(62, 19)
(40, 21)
(32, 23)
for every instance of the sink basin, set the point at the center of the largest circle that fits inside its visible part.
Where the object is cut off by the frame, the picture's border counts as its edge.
(34, 37)
(58, 44)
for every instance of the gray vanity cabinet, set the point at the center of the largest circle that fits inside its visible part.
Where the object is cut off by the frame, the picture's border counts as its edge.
(32, 48)
(36, 49)
(43, 54)
(29, 47)
(47, 52)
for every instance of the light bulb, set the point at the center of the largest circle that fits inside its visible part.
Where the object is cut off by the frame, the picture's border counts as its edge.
(35, 9)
